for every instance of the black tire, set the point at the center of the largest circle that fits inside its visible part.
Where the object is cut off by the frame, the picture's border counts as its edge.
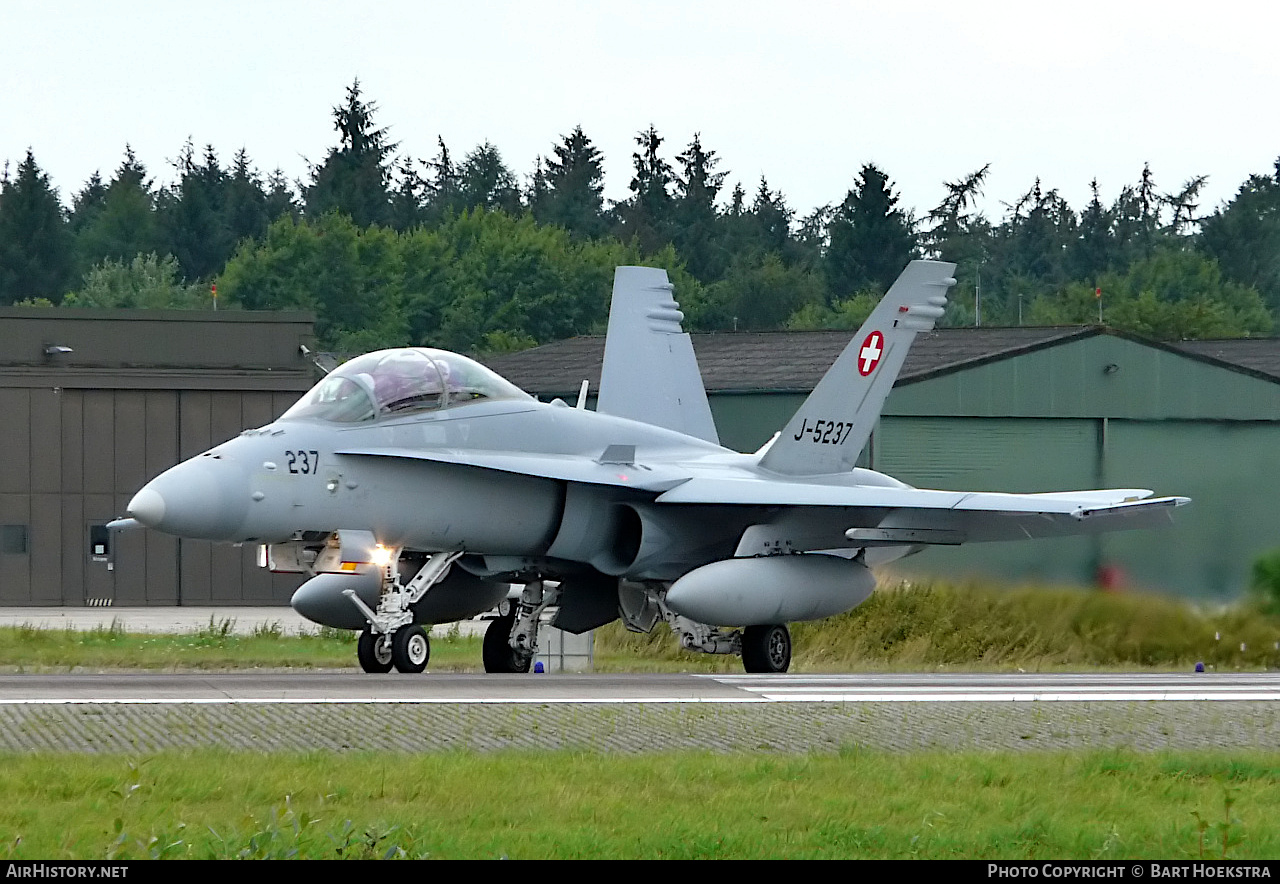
(498, 654)
(766, 648)
(410, 649)
(373, 650)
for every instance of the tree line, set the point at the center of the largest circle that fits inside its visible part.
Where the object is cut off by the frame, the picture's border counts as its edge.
(389, 249)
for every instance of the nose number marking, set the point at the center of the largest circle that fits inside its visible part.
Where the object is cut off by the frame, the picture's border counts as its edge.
(305, 462)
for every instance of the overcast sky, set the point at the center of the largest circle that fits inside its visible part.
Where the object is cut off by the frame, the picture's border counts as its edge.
(803, 93)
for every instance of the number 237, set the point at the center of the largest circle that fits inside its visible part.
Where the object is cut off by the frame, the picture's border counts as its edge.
(305, 462)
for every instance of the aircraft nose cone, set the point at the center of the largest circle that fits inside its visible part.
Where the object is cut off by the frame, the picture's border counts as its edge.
(205, 498)
(147, 507)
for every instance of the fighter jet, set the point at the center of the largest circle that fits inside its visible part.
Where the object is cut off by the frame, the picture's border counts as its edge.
(415, 486)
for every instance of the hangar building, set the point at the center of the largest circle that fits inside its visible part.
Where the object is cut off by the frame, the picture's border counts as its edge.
(96, 402)
(1030, 409)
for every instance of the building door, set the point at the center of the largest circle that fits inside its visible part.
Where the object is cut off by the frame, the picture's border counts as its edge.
(100, 566)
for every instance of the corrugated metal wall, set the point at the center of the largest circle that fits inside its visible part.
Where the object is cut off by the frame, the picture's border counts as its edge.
(1093, 413)
(71, 459)
(997, 454)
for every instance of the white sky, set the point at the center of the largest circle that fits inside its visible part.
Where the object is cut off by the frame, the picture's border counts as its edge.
(802, 92)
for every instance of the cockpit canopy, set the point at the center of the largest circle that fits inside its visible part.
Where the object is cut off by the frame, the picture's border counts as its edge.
(390, 383)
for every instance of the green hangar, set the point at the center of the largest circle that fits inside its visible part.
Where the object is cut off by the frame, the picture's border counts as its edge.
(1030, 409)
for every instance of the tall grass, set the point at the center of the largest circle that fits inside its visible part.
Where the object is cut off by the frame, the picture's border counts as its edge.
(939, 625)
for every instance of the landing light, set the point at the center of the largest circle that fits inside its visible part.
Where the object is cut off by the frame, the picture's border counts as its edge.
(381, 556)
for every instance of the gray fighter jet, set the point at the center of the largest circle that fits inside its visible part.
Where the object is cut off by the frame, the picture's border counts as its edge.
(415, 486)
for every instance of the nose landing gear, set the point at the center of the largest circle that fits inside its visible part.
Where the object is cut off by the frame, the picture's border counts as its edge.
(410, 649)
(373, 650)
(393, 639)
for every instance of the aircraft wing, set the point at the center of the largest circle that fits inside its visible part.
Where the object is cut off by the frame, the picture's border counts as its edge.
(878, 515)
(611, 468)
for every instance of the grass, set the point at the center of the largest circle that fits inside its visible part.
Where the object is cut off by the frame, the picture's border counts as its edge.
(213, 647)
(935, 626)
(903, 627)
(851, 804)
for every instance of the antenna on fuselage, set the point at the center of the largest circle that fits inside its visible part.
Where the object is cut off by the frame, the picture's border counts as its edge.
(582, 395)
(326, 362)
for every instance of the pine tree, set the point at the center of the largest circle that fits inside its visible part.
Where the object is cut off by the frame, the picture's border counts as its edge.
(354, 177)
(696, 231)
(645, 217)
(193, 215)
(568, 187)
(772, 219)
(486, 182)
(408, 197)
(35, 243)
(870, 238)
(443, 188)
(1093, 249)
(1244, 236)
(124, 224)
(86, 204)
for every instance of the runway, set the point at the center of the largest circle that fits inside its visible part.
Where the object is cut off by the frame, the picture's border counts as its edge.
(135, 713)
(350, 687)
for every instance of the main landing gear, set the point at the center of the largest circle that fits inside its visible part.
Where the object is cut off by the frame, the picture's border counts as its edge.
(392, 639)
(511, 640)
(497, 652)
(766, 648)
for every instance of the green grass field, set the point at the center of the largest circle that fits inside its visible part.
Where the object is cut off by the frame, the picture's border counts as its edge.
(852, 804)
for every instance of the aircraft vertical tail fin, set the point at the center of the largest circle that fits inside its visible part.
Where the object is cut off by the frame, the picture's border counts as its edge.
(830, 429)
(650, 373)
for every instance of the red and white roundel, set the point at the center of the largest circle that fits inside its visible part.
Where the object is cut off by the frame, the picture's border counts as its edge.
(870, 353)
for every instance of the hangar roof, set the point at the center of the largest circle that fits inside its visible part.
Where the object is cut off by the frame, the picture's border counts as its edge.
(794, 361)
(160, 349)
(1259, 355)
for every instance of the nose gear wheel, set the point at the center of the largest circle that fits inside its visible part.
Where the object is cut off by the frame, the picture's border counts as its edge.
(373, 650)
(410, 649)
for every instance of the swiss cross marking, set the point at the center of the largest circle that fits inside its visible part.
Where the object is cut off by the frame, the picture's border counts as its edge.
(869, 355)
